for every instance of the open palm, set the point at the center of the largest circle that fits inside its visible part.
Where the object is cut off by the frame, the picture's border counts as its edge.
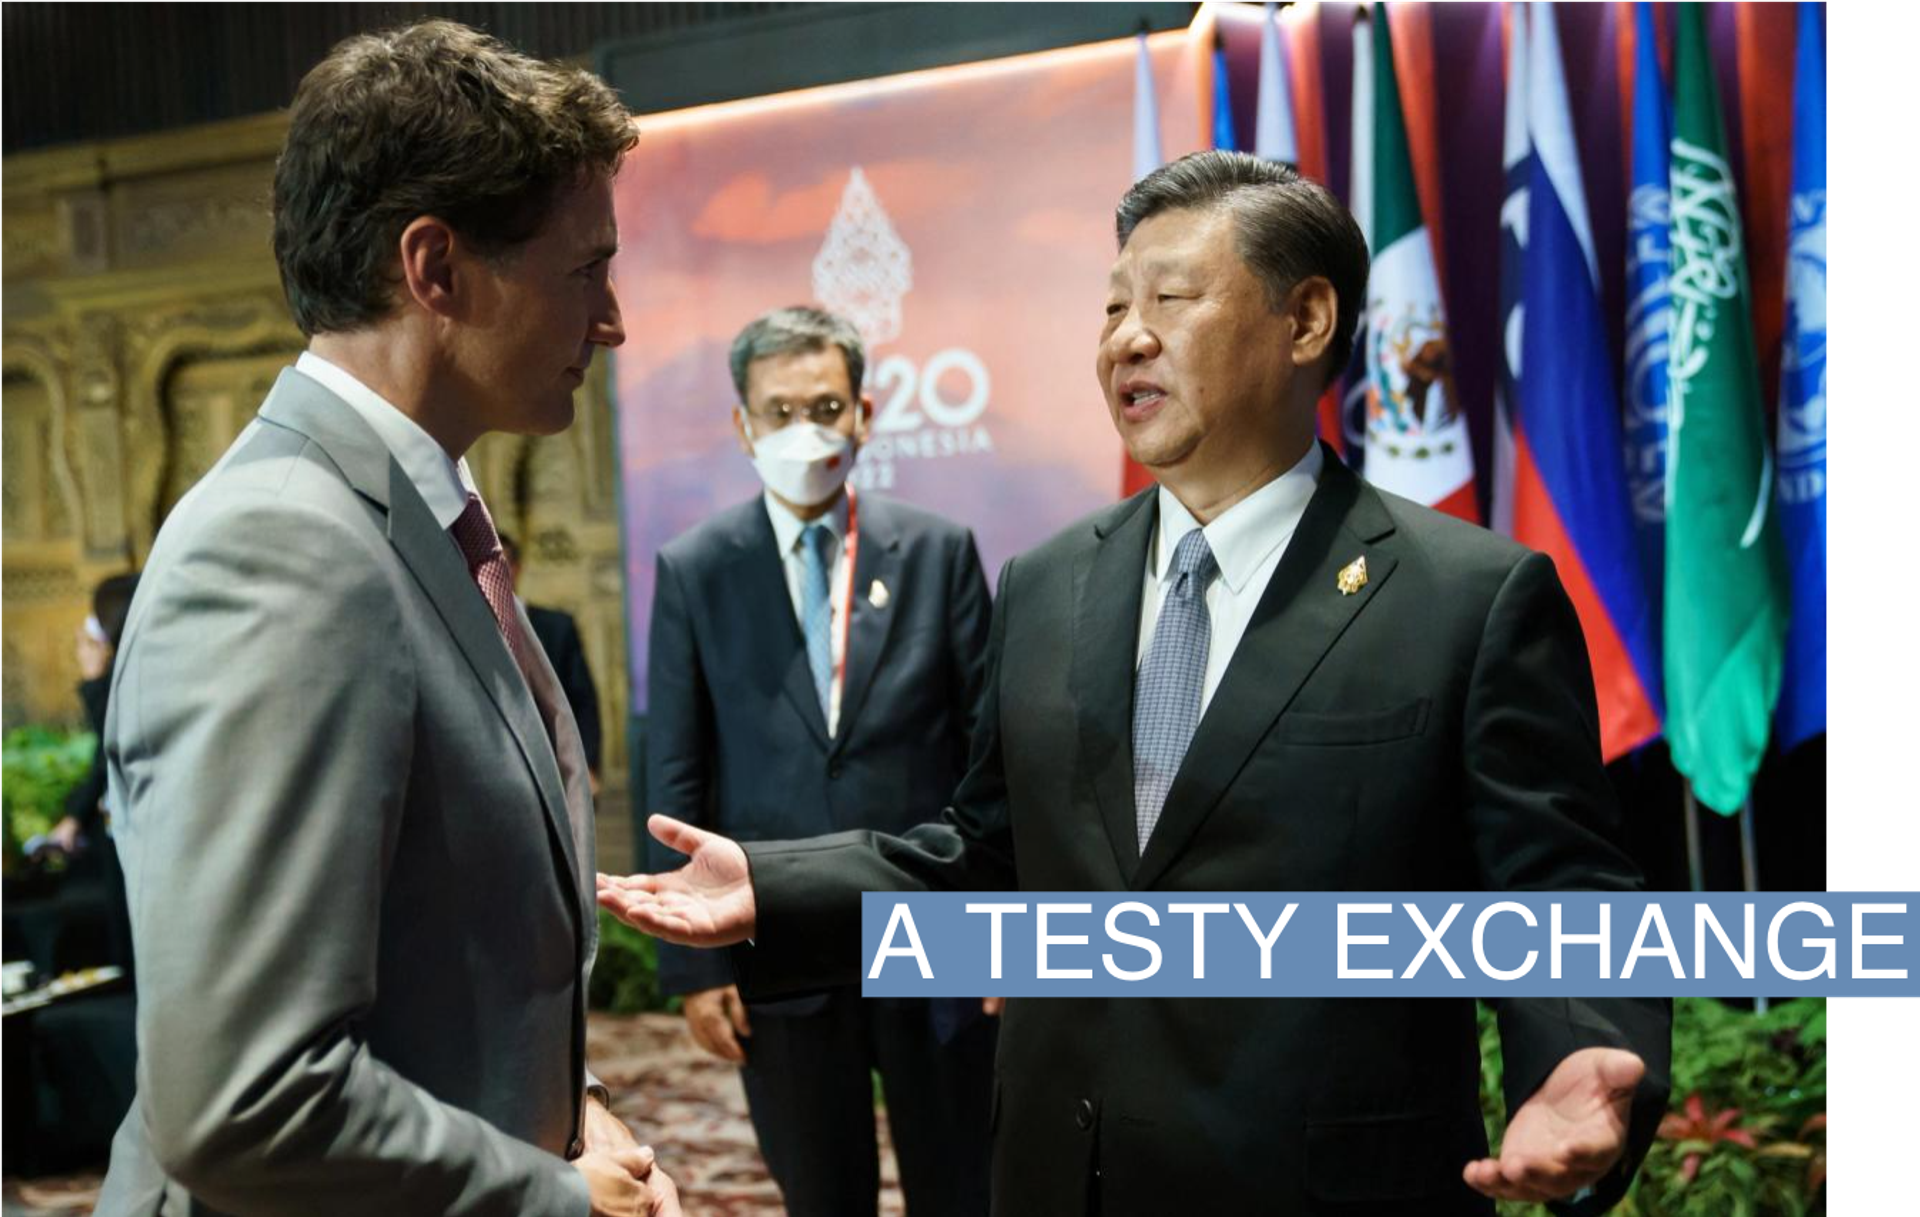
(1569, 1134)
(706, 903)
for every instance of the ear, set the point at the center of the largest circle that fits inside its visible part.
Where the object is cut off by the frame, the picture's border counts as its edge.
(1314, 308)
(740, 430)
(862, 417)
(427, 256)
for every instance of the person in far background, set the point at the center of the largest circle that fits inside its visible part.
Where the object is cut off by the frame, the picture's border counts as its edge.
(84, 826)
(559, 636)
(815, 662)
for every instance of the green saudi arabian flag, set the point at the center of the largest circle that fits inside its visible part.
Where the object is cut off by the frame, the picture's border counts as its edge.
(1726, 606)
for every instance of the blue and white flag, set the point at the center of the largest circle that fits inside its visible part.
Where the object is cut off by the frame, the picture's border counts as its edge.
(1649, 304)
(1802, 446)
(1224, 136)
(1273, 136)
(1146, 113)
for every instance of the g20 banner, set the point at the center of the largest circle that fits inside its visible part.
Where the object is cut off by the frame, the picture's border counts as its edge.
(961, 218)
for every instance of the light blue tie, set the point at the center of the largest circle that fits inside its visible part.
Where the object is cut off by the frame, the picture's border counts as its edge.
(816, 613)
(1166, 691)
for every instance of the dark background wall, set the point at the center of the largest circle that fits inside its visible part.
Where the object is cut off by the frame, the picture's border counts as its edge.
(79, 72)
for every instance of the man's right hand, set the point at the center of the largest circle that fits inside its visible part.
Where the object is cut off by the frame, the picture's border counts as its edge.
(718, 1018)
(706, 903)
(624, 1183)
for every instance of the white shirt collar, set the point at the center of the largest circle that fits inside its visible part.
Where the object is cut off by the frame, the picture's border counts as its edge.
(1245, 534)
(442, 481)
(787, 526)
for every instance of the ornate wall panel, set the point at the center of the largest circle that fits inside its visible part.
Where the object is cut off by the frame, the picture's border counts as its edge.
(144, 324)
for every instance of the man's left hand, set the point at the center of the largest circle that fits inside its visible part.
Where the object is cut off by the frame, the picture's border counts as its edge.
(602, 1131)
(1569, 1134)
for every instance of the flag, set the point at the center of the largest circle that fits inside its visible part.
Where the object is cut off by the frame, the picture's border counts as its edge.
(1224, 136)
(1514, 166)
(1146, 113)
(1416, 436)
(1803, 397)
(1649, 304)
(1146, 158)
(1273, 136)
(1726, 591)
(1569, 475)
(1353, 400)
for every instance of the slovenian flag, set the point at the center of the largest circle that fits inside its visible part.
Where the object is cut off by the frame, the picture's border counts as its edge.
(1569, 476)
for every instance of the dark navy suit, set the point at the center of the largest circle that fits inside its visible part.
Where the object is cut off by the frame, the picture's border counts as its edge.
(738, 743)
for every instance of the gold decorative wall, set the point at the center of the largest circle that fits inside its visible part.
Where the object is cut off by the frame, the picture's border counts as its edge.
(143, 324)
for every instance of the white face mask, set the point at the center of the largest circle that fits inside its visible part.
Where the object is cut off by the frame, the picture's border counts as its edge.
(803, 462)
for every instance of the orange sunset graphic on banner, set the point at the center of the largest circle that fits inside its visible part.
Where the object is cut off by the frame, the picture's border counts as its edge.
(961, 218)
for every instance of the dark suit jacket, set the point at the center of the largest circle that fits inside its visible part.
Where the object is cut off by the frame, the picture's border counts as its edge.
(559, 636)
(83, 801)
(736, 739)
(1435, 731)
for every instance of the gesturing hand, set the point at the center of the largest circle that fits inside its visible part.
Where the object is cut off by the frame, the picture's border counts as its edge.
(1569, 1134)
(706, 903)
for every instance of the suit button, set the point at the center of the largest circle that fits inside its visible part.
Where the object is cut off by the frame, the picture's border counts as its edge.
(1083, 1113)
(833, 772)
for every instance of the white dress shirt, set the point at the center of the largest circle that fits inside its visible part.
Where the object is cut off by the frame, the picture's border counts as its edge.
(1247, 540)
(442, 481)
(787, 528)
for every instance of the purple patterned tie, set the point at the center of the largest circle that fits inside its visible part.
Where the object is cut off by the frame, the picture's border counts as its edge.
(474, 533)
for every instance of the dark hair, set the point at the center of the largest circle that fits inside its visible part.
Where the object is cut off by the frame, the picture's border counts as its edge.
(800, 328)
(432, 119)
(112, 597)
(1288, 228)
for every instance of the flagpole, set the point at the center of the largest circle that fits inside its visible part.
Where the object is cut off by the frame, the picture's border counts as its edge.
(1695, 872)
(1750, 869)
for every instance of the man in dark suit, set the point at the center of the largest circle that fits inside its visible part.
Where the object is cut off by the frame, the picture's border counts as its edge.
(815, 664)
(1263, 674)
(559, 636)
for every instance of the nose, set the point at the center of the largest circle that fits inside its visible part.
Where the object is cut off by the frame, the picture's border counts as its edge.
(606, 328)
(1131, 341)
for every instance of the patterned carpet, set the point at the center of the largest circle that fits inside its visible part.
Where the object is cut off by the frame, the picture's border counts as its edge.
(687, 1105)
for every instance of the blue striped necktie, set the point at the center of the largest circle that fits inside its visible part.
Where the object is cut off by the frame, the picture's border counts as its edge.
(1166, 691)
(816, 613)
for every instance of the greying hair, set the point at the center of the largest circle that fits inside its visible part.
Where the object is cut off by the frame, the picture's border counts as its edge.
(1287, 228)
(800, 328)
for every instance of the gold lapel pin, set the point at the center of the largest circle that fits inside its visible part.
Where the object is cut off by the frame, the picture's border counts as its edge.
(1353, 576)
(878, 595)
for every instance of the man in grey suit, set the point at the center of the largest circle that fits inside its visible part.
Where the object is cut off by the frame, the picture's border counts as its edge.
(352, 799)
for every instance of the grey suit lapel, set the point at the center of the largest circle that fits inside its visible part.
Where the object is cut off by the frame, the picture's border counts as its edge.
(1300, 617)
(302, 404)
(878, 561)
(569, 754)
(1107, 585)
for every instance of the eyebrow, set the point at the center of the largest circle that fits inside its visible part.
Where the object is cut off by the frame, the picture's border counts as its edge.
(1152, 266)
(603, 252)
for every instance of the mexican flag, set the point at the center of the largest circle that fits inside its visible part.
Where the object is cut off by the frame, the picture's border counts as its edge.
(1416, 432)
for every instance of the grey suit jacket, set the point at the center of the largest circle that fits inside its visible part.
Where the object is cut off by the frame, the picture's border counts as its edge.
(359, 872)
